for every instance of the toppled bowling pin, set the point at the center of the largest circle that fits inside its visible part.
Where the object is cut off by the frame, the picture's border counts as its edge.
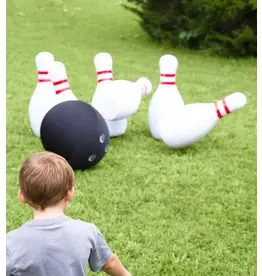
(189, 124)
(116, 99)
(121, 99)
(166, 96)
(104, 69)
(43, 94)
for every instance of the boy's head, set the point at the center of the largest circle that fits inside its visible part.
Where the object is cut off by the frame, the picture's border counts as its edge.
(45, 179)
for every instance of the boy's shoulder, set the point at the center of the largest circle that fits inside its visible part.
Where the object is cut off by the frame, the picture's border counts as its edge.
(14, 233)
(83, 224)
(83, 228)
(75, 225)
(78, 230)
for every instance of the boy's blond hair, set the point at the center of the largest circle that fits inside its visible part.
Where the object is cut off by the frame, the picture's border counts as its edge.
(44, 179)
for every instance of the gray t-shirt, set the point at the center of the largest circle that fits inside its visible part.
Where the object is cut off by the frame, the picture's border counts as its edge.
(55, 247)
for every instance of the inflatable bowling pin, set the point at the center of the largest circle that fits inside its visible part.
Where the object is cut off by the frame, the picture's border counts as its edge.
(43, 94)
(189, 124)
(118, 99)
(61, 85)
(104, 69)
(122, 98)
(166, 96)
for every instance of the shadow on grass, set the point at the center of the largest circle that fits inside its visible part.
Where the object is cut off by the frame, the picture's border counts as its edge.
(159, 145)
(122, 147)
(207, 143)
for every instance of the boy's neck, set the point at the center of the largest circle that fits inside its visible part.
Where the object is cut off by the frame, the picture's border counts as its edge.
(48, 213)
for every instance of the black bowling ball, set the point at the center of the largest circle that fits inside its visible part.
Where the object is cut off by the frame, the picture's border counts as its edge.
(76, 131)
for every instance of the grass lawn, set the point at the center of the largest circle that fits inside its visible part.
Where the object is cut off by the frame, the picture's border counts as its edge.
(164, 212)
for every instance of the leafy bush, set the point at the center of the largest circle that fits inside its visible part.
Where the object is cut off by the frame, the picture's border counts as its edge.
(229, 27)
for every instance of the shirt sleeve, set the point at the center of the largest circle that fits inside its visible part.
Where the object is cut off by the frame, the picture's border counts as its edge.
(100, 253)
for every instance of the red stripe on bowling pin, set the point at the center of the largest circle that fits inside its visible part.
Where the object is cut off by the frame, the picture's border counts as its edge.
(43, 76)
(220, 112)
(168, 79)
(61, 86)
(104, 75)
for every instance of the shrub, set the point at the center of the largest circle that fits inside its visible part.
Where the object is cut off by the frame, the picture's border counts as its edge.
(229, 27)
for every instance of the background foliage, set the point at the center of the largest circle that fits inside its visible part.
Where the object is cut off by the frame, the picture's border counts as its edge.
(229, 27)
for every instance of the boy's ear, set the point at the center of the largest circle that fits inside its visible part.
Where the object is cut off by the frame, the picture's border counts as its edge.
(21, 197)
(70, 194)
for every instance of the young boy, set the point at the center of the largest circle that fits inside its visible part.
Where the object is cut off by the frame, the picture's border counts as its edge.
(53, 244)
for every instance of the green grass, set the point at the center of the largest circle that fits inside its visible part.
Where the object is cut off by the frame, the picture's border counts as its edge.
(164, 212)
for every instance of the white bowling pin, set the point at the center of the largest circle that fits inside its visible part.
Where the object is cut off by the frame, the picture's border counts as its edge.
(189, 124)
(166, 96)
(116, 99)
(61, 85)
(43, 94)
(122, 98)
(104, 69)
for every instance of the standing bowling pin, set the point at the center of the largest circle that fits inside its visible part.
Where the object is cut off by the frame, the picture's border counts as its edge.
(44, 92)
(192, 122)
(166, 96)
(104, 69)
(61, 85)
